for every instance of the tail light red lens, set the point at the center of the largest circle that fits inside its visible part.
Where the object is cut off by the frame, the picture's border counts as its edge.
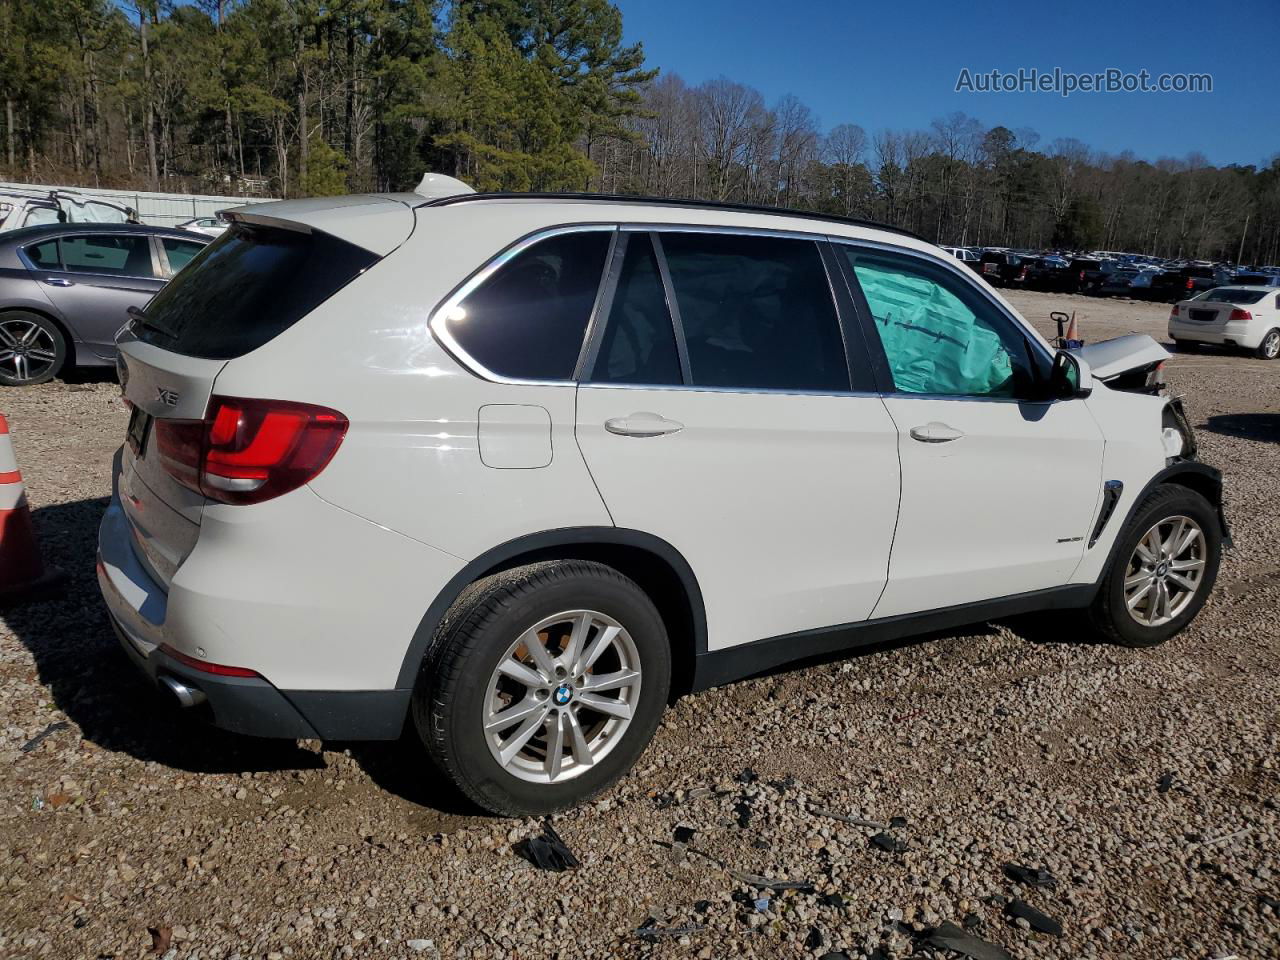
(247, 451)
(204, 666)
(1240, 315)
(1190, 283)
(1174, 312)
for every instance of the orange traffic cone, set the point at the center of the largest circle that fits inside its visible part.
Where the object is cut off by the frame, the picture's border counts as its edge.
(1073, 331)
(23, 574)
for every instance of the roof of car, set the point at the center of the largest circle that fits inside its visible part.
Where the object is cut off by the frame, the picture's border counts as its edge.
(381, 222)
(679, 202)
(27, 234)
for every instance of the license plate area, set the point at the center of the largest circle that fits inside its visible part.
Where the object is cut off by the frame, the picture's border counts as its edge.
(139, 430)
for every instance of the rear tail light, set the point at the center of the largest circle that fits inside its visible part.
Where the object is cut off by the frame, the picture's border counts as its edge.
(1240, 315)
(247, 451)
(1023, 274)
(1174, 312)
(1190, 283)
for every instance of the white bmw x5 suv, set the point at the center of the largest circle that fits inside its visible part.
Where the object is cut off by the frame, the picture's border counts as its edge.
(518, 469)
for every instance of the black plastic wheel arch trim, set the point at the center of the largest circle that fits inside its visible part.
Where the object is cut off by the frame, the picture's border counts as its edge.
(1207, 477)
(501, 555)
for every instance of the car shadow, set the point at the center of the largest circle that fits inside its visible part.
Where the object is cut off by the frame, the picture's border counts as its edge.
(90, 679)
(1249, 426)
(83, 375)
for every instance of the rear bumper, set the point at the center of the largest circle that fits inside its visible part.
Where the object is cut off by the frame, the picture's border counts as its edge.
(138, 609)
(1235, 332)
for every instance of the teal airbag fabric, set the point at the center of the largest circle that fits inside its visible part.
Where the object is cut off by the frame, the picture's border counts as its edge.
(934, 343)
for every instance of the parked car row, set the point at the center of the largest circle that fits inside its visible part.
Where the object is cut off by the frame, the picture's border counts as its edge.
(1107, 273)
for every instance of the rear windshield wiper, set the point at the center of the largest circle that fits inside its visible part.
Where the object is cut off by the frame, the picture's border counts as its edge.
(138, 314)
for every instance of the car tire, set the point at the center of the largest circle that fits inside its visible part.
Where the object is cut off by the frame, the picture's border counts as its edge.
(1149, 554)
(1186, 346)
(32, 349)
(508, 645)
(1269, 348)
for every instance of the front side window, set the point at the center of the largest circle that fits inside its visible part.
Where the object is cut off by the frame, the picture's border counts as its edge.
(756, 312)
(639, 343)
(528, 319)
(941, 337)
(114, 254)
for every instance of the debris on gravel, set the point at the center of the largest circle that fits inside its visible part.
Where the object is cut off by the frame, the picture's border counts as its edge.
(998, 744)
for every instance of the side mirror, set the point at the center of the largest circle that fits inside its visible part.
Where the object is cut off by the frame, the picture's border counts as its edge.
(1070, 376)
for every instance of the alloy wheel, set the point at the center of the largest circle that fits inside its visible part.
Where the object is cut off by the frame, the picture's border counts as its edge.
(562, 696)
(26, 348)
(1271, 345)
(1165, 571)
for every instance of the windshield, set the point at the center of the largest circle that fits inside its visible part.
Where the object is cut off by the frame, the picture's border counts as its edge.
(246, 287)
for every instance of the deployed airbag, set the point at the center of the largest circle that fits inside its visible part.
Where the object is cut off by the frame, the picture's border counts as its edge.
(934, 343)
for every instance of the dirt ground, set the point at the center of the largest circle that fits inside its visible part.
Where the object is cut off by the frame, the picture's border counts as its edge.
(1146, 782)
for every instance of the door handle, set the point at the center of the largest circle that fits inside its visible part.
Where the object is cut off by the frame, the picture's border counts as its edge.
(935, 432)
(642, 425)
(58, 282)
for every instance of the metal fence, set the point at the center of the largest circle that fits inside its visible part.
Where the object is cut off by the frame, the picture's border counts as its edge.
(159, 209)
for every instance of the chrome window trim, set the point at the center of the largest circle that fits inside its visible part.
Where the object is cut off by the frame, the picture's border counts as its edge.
(966, 275)
(687, 388)
(436, 323)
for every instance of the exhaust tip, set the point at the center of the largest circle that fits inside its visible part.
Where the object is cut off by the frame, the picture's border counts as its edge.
(185, 695)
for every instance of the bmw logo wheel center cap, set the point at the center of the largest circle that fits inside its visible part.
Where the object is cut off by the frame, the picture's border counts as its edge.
(562, 695)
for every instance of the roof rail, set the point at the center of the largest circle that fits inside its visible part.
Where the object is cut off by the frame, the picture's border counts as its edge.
(672, 202)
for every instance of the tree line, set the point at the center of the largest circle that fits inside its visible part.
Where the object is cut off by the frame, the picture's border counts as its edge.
(311, 97)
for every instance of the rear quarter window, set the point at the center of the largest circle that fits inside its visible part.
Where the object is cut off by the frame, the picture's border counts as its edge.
(248, 287)
(527, 320)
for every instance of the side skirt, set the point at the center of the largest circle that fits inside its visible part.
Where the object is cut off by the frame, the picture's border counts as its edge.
(716, 667)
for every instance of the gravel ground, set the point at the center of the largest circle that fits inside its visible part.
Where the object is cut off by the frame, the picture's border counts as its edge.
(1144, 781)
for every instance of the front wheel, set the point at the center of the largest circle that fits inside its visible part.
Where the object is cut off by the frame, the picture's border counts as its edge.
(1269, 348)
(544, 686)
(1163, 566)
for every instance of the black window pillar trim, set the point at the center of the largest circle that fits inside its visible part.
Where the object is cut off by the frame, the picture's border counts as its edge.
(860, 355)
(673, 308)
(877, 359)
(601, 307)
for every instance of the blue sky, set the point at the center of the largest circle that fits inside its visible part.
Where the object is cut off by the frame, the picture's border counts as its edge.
(895, 65)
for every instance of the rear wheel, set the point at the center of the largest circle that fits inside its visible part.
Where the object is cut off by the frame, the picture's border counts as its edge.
(1269, 348)
(544, 686)
(1161, 570)
(1186, 346)
(32, 349)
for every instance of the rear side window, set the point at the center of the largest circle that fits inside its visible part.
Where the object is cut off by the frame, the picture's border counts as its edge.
(756, 312)
(246, 288)
(639, 344)
(119, 255)
(44, 256)
(180, 252)
(527, 320)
